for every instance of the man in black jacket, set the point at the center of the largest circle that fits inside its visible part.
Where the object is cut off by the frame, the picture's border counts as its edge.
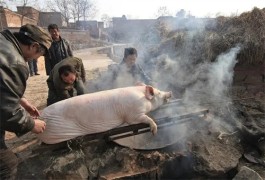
(59, 50)
(16, 113)
(126, 73)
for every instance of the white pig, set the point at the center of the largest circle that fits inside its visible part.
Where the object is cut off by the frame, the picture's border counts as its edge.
(100, 111)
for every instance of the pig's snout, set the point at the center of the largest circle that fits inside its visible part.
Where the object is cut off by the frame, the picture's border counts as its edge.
(167, 96)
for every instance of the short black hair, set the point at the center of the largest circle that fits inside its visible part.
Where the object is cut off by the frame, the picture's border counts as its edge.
(66, 69)
(130, 51)
(53, 26)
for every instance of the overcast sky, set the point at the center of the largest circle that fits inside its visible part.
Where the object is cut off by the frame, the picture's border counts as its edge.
(144, 9)
(198, 8)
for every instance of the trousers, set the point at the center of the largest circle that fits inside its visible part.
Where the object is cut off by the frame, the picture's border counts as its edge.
(8, 161)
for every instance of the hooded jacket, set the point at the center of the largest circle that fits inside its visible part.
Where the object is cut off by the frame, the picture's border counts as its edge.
(14, 73)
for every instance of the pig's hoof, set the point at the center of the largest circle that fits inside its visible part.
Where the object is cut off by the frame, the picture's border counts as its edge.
(154, 129)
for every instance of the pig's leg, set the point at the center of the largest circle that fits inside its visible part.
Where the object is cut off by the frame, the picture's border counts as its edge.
(148, 120)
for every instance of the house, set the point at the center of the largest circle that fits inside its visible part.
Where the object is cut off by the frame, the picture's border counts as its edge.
(25, 14)
(10, 19)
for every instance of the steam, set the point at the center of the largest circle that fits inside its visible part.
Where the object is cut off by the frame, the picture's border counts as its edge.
(213, 80)
(188, 71)
(221, 73)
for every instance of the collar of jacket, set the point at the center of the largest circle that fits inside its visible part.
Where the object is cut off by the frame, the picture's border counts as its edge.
(11, 38)
(60, 39)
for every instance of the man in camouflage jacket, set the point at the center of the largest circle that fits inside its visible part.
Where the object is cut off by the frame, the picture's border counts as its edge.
(59, 89)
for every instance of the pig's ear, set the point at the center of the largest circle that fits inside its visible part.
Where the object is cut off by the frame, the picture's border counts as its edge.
(149, 92)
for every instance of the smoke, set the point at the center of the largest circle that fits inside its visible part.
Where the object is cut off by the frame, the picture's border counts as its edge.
(183, 64)
(215, 79)
(200, 86)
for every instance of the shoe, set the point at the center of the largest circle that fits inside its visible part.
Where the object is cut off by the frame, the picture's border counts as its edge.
(31, 75)
(37, 74)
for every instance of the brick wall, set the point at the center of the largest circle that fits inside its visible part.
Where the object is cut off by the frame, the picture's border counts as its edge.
(28, 12)
(11, 19)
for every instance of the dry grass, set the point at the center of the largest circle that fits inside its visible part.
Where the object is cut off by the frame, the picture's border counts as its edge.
(246, 30)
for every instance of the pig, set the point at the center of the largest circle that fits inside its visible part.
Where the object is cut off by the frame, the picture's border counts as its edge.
(101, 111)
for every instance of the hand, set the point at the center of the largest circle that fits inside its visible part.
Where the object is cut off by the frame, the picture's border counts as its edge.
(32, 110)
(39, 126)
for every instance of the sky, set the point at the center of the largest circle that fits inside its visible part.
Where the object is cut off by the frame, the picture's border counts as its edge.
(146, 9)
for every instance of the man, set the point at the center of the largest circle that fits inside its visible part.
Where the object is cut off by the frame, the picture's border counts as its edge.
(66, 80)
(17, 48)
(127, 73)
(33, 67)
(59, 50)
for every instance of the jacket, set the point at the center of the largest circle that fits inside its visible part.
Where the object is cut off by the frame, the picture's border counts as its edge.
(14, 73)
(121, 74)
(58, 89)
(58, 51)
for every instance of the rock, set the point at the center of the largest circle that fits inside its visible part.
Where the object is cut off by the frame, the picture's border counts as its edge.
(68, 166)
(215, 158)
(247, 173)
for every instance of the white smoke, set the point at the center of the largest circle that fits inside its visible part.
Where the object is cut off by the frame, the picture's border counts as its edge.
(206, 82)
(221, 73)
(214, 80)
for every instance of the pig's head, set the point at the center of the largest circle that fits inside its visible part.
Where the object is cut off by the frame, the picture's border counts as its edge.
(156, 97)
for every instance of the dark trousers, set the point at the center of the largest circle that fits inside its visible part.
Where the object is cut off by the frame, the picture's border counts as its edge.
(8, 161)
(33, 68)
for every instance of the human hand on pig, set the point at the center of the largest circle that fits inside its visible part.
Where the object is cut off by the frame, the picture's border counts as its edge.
(39, 126)
(32, 110)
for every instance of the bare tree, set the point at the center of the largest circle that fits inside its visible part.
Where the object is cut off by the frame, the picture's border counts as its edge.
(181, 13)
(63, 6)
(73, 9)
(163, 11)
(106, 19)
(23, 4)
(83, 8)
(76, 9)
(88, 9)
